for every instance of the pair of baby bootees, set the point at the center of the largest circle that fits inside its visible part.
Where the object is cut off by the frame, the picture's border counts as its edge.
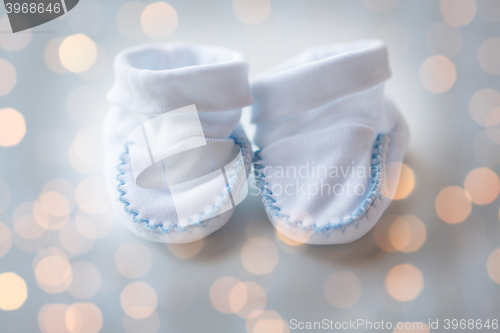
(177, 158)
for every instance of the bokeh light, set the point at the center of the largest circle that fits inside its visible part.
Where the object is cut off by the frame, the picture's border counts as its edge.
(294, 215)
(128, 19)
(77, 53)
(13, 42)
(494, 133)
(62, 186)
(238, 297)
(381, 232)
(52, 318)
(86, 280)
(9, 77)
(493, 266)
(13, 291)
(444, 39)
(438, 74)
(5, 239)
(99, 67)
(51, 54)
(46, 220)
(288, 241)
(27, 227)
(83, 318)
(399, 188)
(484, 107)
(260, 255)
(133, 259)
(247, 299)
(220, 291)
(404, 282)
(28, 235)
(12, 127)
(343, 289)
(138, 300)
(458, 12)
(488, 55)
(380, 5)
(53, 274)
(55, 204)
(407, 233)
(186, 251)
(150, 324)
(483, 185)
(159, 20)
(251, 11)
(453, 204)
(267, 321)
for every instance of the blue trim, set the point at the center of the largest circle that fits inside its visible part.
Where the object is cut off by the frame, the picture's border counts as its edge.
(377, 167)
(246, 151)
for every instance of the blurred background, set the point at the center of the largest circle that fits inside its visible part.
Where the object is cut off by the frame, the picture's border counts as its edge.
(67, 265)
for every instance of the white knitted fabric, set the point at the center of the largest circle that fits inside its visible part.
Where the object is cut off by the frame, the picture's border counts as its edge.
(150, 82)
(328, 140)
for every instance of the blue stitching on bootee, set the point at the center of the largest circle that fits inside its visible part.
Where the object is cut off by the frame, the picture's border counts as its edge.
(234, 180)
(377, 167)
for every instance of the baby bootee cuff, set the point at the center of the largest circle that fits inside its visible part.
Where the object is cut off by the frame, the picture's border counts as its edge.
(328, 141)
(177, 159)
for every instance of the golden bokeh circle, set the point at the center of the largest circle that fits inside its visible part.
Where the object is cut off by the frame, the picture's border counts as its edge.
(453, 205)
(260, 255)
(138, 300)
(458, 12)
(13, 291)
(83, 318)
(493, 265)
(5, 239)
(407, 233)
(9, 77)
(77, 53)
(251, 11)
(488, 55)
(52, 318)
(438, 74)
(404, 282)
(401, 187)
(12, 127)
(484, 107)
(483, 185)
(220, 292)
(159, 20)
(133, 259)
(53, 274)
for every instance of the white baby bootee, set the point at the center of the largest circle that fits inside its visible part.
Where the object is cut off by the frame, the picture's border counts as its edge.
(328, 141)
(177, 159)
